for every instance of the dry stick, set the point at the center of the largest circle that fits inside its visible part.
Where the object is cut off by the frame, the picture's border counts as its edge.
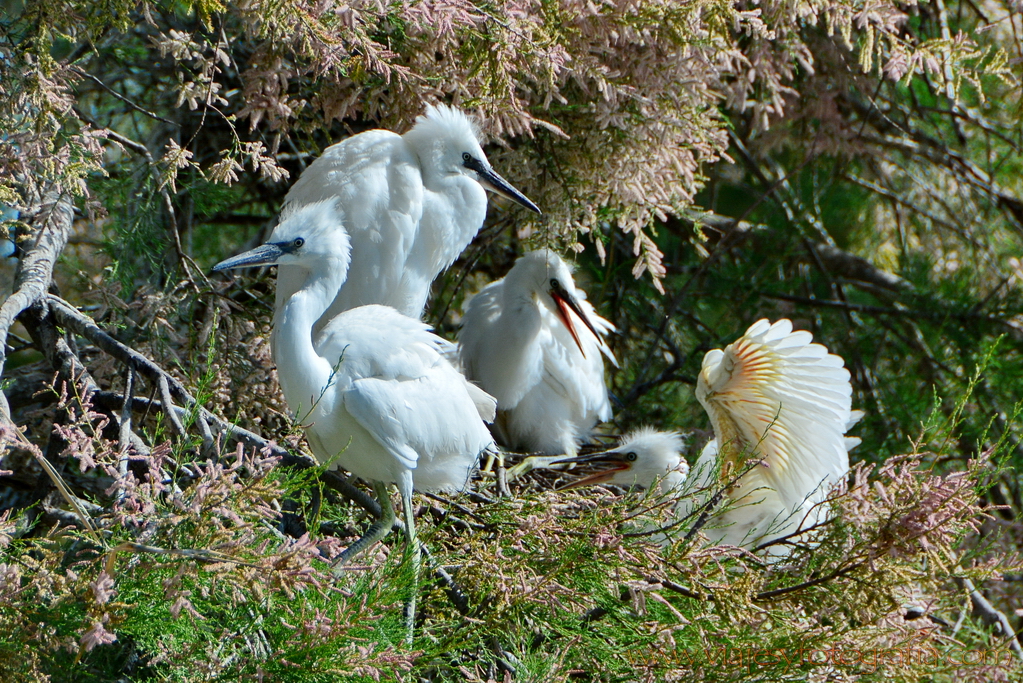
(168, 407)
(60, 356)
(124, 438)
(992, 616)
(1015, 332)
(920, 145)
(125, 433)
(136, 107)
(85, 326)
(52, 224)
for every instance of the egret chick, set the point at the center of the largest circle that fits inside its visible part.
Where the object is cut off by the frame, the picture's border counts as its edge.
(780, 407)
(533, 341)
(412, 204)
(373, 388)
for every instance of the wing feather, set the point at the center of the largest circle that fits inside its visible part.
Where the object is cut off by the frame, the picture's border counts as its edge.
(430, 424)
(782, 398)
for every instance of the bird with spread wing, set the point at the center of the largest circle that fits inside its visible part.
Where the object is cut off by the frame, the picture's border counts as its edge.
(780, 406)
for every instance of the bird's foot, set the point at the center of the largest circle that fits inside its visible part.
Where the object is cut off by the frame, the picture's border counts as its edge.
(376, 532)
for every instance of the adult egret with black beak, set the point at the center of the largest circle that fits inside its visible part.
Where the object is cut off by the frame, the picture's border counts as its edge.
(780, 406)
(373, 389)
(534, 342)
(412, 204)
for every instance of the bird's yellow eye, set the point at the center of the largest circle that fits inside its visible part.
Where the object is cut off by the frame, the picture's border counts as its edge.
(466, 157)
(630, 456)
(298, 242)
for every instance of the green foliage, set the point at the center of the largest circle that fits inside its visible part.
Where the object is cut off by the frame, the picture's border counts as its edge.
(889, 132)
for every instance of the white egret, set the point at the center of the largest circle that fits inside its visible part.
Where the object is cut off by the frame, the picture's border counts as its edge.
(373, 388)
(780, 407)
(533, 342)
(412, 204)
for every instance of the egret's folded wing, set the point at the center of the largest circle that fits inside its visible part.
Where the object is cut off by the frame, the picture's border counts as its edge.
(578, 380)
(786, 400)
(422, 421)
(491, 354)
(486, 405)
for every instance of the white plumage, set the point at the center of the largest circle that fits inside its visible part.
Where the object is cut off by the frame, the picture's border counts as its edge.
(780, 406)
(373, 388)
(533, 342)
(412, 203)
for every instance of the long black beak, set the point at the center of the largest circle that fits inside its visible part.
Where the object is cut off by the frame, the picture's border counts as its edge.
(611, 462)
(563, 298)
(490, 179)
(264, 255)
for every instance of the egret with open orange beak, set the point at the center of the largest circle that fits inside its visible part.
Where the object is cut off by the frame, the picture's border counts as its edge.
(534, 342)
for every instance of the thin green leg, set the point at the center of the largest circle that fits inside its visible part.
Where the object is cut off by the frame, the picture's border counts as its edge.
(536, 462)
(376, 532)
(416, 552)
(491, 458)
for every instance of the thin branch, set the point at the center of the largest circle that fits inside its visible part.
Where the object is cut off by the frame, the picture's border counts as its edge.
(141, 110)
(777, 592)
(168, 406)
(1015, 332)
(85, 326)
(992, 616)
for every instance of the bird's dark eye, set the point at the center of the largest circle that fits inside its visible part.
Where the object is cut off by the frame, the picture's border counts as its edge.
(555, 284)
(466, 158)
(630, 456)
(298, 242)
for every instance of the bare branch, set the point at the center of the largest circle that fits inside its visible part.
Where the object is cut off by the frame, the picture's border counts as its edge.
(82, 324)
(992, 616)
(52, 225)
(1015, 332)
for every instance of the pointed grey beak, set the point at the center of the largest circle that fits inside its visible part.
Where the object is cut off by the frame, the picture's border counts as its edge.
(491, 180)
(264, 255)
(609, 457)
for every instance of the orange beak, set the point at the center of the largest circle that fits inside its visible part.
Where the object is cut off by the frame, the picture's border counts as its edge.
(567, 304)
(612, 462)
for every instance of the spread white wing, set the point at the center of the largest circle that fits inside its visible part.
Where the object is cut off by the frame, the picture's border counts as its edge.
(775, 395)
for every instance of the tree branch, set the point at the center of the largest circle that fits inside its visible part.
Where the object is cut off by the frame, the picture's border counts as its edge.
(85, 326)
(52, 225)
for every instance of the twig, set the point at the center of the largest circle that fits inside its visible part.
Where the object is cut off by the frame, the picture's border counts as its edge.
(94, 79)
(124, 436)
(992, 616)
(85, 326)
(168, 406)
(1014, 331)
(777, 592)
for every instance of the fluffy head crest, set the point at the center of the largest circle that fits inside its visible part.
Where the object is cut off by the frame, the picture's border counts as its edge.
(658, 456)
(443, 122)
(536, 268)
(320, 225)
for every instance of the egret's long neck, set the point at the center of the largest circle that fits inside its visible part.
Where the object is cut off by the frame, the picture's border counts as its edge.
(302, 372)
(521, 321)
